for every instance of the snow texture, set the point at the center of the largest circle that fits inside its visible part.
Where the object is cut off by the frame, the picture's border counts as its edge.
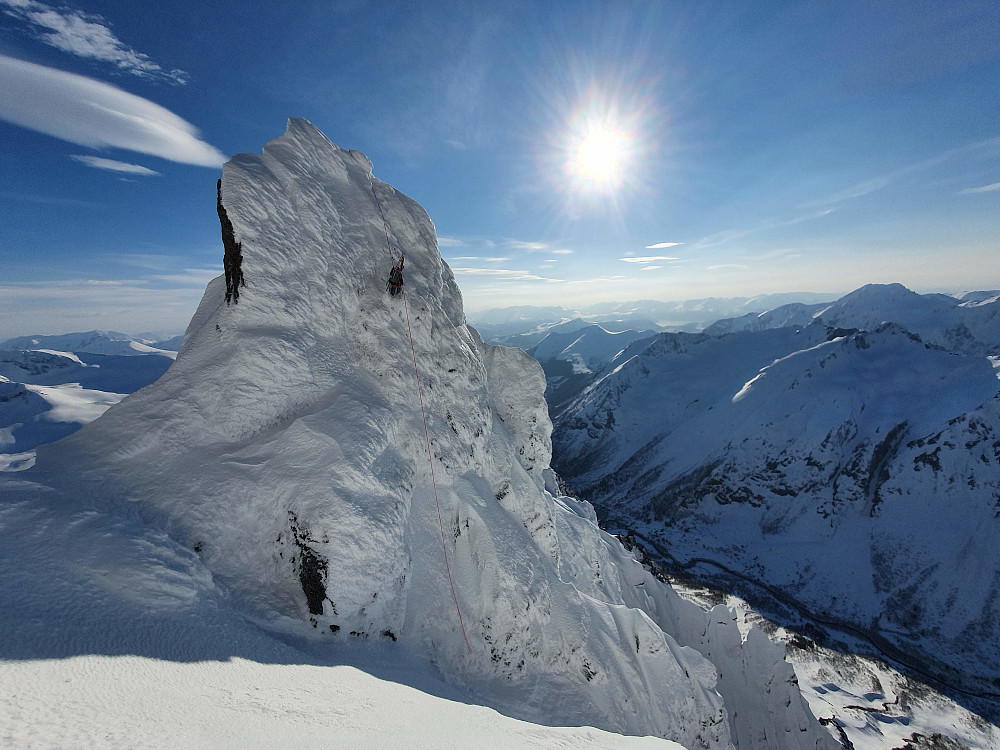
(47, 394)
(284, 454)
(857, 472)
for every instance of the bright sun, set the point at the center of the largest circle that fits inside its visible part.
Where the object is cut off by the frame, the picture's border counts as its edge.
(598, 157)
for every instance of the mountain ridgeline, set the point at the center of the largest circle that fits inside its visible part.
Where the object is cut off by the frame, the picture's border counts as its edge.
(845, 456)
(333, 498)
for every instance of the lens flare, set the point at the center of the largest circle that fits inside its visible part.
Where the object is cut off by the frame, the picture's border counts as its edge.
(598, 158)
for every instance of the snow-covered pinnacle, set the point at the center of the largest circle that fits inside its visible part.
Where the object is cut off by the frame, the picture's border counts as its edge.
(286, 446)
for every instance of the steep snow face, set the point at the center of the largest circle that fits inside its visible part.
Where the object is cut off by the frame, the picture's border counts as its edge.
(857, 473)
(286, 447)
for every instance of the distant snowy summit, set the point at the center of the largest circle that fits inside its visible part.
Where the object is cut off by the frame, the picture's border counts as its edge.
(52, 385)
(286, 448)
(94, 342)
(845, 454)
(966, 324)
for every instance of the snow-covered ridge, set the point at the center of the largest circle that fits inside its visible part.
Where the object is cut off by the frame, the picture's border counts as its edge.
(91, 342)
(47, 394)
(845, 461)
(969, 324)
(285, 450)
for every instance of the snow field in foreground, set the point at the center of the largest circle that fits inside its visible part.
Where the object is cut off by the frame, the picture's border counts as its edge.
(134, 702)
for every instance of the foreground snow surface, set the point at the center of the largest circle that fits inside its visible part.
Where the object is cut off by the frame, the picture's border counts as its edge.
(114, 636)
(134, 702)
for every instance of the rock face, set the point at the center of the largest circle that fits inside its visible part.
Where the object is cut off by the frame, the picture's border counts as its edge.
(286, 446)
(855, 471)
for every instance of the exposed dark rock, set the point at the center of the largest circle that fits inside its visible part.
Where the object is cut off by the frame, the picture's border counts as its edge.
(232, 260)
(312, 566)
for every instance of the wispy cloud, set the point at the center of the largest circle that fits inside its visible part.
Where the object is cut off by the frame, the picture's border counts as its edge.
(983, 189)
(729, 267)
(650, 268)
(529, 246)
(86, 35)
(597, 281)
(563, 252)
(975, 150)
(449, 242)
(647, 259)
(90, 113)
(728, 235)
(854, 191)
(721, 238)
(502, 273)
(661, 245)
(113, 166)
(189, 277)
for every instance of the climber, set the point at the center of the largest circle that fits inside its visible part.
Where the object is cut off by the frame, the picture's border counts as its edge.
(395, 284)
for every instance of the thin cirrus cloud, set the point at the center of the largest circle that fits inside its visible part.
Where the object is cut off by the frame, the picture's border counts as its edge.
(983, 189)
(113, 166)
(647, 259)
(86, 35)
(505, 274)
(661, 245)
(90, 113)
(531, 247)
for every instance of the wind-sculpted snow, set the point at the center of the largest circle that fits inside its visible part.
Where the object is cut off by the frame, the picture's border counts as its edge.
(856, 472)
(286, 448)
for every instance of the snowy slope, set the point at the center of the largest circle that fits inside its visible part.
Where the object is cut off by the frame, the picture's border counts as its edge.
(91, 342)
(571, 361)
(966, 325)
(285, 451)
(46, 395)
(586, 349)
(857, 473)
(114, 635)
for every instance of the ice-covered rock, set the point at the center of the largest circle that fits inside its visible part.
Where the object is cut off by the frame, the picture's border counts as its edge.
(287, 447)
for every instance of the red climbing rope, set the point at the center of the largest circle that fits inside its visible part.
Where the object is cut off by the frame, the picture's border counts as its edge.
(430, 459)
(427, 436)
(384, 225)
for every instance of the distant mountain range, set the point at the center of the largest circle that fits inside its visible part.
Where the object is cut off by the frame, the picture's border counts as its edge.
(52, 385)
(845, 455)
(95, 342)
(525, 326)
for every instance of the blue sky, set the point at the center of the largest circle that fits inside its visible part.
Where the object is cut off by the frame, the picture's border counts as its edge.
(568, 152)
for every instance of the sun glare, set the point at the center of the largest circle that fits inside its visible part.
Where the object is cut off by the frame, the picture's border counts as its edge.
(599, 157)
(599, 148)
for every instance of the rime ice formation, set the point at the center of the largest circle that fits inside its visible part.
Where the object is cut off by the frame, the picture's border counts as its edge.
(286, 447)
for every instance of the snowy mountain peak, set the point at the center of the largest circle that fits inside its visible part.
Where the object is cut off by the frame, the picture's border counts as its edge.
(354, 466)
